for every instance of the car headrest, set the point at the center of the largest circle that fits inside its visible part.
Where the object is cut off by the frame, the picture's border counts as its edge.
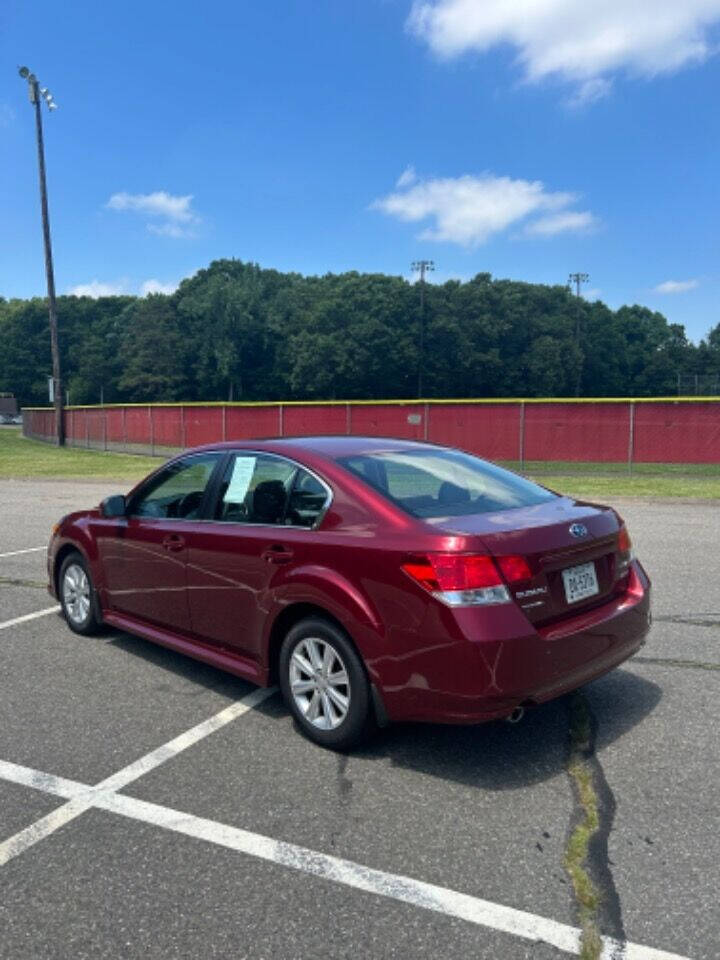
(269, 501)
(452, 493)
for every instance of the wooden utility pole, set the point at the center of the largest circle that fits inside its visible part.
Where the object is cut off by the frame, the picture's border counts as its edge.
(36, 94)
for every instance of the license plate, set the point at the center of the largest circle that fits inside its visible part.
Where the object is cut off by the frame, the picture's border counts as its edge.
(580, 582)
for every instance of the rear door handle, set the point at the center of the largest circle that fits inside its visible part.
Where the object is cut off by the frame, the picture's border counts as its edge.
(174, 542)
(277, 553)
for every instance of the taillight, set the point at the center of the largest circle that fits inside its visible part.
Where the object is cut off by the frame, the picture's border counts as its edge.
(624, 541)
(459, 579)
(625, 550)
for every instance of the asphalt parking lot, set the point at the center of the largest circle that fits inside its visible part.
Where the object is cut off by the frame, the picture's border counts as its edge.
(154, 807)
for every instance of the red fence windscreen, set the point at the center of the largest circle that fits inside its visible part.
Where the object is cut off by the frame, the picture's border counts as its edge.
(601, 431)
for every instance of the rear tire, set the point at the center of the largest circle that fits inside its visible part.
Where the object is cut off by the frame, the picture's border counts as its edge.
(324, 684)
(78, 598)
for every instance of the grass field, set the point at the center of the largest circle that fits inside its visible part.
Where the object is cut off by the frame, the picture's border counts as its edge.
(605, 487)
(613, 469)
(688, 480)
(23, 458)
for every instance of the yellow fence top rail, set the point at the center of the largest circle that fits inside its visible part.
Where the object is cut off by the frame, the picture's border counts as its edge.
(380, 403)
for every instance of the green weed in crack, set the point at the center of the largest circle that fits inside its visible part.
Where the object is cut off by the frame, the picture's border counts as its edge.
(580, 772)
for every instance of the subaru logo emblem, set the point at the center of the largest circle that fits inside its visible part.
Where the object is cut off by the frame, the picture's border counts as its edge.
(578, 530)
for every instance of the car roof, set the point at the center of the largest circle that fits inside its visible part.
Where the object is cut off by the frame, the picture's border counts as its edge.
(328, 446)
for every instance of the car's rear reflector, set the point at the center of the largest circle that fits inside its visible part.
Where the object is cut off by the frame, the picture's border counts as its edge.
(459, 579)
(514, 568)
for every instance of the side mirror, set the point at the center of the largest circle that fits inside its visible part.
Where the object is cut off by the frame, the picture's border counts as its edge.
(114, 506)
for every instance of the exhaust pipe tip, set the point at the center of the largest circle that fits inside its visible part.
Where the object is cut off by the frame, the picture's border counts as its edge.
(516, 716)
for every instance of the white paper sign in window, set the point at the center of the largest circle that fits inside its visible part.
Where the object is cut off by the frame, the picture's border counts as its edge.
(239, 484)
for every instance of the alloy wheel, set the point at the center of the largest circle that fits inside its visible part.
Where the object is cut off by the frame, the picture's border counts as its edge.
(319, 683)
(76, 593)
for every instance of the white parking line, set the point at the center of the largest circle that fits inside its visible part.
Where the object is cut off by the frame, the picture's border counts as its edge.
(151, 760)
(16, 553)
(29, 616)
(427, 896)
(83, 797)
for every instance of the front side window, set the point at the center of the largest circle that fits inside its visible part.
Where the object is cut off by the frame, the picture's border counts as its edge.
(259, 489)
(441, 483)
(177, 492)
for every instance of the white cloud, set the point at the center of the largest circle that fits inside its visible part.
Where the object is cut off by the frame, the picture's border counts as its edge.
(580, 42)
(155, 286)
(97, 289)
(575, 221)
(7, 115)
(175, 213)
(676, 286)
(468, 210)
(174, 230)
(407, 177)
(159, 203)
(589, 91)
(592, 294)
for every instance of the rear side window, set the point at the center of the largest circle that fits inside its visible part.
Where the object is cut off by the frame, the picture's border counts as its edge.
(308, 500)
(258, 489)
(442, 483)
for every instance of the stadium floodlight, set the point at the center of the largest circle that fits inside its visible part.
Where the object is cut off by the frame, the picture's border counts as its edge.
(421, 267)
(24, 72)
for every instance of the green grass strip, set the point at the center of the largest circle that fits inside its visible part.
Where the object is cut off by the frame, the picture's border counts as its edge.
(599, 488)
(21, 458)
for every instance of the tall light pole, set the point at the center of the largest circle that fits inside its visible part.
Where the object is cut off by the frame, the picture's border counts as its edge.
(578, 279)
(422, 267)
(36, 93)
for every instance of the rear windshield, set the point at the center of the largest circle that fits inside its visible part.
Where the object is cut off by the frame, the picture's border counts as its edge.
(444, 483)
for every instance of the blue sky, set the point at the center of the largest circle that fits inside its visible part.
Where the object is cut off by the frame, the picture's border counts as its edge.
(527, 140)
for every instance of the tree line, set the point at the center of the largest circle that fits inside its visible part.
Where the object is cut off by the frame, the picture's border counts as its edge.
(235, 331)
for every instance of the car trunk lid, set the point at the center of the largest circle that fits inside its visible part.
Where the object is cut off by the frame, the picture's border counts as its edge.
(570, 548)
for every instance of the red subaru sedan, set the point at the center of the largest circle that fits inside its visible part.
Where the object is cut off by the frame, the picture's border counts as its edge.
(375, 580)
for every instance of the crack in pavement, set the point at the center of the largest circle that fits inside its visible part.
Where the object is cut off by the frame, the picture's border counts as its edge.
(669, 662)
(344, 788)
(586, 858)
(610, 916)
(704, 620)
(13, 582)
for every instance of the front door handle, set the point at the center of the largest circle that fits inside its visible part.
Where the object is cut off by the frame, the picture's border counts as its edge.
(277, 553)
(173, 542)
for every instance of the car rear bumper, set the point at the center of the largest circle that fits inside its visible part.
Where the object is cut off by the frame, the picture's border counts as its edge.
(475, 679)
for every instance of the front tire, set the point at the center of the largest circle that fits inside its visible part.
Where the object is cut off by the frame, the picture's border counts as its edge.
(324, 684)
(77, 596)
